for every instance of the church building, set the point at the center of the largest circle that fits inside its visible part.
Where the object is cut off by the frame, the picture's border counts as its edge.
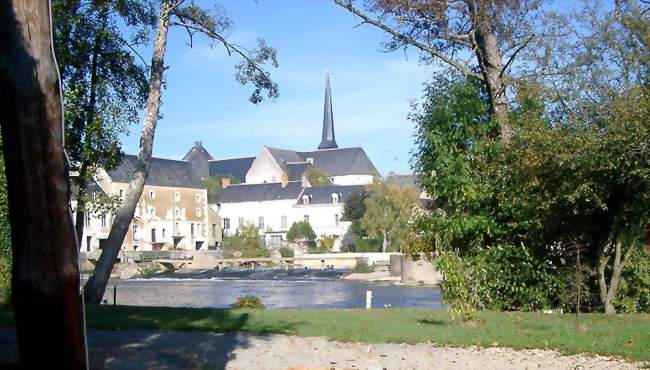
(273, 191)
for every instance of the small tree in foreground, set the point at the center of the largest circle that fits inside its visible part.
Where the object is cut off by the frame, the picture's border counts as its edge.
(317, 177)
(301, 231)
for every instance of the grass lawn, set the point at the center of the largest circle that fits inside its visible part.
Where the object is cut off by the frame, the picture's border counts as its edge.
(627, 336)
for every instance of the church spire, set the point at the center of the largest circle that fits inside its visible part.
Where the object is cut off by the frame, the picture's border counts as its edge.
(328, 141)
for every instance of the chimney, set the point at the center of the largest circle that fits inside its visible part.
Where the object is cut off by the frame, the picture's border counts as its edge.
(284, 179)
(225, 182)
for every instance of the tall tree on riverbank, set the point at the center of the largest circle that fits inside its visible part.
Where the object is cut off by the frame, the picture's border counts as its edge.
(195, 21)
(45, 284)
(104, 85)
(479, 39)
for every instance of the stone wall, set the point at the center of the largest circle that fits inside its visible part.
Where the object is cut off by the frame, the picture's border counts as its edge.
(421, 271)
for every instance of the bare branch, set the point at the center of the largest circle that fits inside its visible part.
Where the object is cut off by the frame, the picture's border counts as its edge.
(514, 54)
(409, 40)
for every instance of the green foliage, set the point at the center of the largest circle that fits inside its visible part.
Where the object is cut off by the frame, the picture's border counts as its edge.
(353, 211)
(634, 291)
(301, 231)
(317, 177)
(327, 243)
(248, 301)
(286, 252)
(361, 245)
(458, 289)
(363, 268)
(388, 211)
(214, 184)
(246, 241)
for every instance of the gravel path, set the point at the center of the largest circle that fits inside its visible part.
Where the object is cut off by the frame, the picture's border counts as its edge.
(142, 349)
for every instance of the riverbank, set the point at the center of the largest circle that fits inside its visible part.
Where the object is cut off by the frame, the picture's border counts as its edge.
(624, 336)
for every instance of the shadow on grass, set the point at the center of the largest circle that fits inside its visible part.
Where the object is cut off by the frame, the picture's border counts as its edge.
(432, 322)
(165, 337)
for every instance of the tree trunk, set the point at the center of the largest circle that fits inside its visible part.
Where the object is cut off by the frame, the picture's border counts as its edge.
(488, 54)
(615, 279)
(80, 213)
(602, 282)
(97, 283)
(45, 285)
(384, 244)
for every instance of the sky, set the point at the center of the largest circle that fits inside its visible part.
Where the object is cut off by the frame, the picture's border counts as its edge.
(372, 90)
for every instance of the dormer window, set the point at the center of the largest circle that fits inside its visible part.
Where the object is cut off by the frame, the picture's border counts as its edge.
(177, 196)
(198, 198)
(305, 199)
(335, 198)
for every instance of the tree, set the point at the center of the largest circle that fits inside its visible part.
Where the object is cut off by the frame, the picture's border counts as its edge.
(215, 184)
(104, 86)
(5, 237)
(479, 39)
(45, 282)
(388, 211)
(194, 20)
(353, 211)
(301, 231)
(317, 177)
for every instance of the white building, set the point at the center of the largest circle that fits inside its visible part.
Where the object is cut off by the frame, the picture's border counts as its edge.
(274, 193)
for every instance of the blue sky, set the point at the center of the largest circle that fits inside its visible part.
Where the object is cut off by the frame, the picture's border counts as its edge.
(371, 90)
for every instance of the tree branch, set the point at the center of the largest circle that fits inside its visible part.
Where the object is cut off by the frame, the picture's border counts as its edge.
(514, 54)
(409, 40)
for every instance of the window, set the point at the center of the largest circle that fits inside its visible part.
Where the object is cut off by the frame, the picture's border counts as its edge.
(152, 211)
(135, 232)
(176, 212)
(103, 220)
(164, 234)
(241, 222)
(177, 228)
(152, 194)
(214, 230)
(121, 194)
(226, 224)
(260, 222)
(283, 222)
(276, 240)
(336, 219)
(198, 212)
(305, 199)
(335, 198)
(87, 219)
(306, 218)
(153, 235)
(177, 196)
(198, 198)
(192, 229)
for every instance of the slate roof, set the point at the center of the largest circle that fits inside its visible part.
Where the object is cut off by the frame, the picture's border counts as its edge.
(198, 156)
(335, 162)
(163, 172)
(91, 187)
(295, 170)
(343, 161)
(259, 192)
(402, 180)
(323, 194)
(236, 167)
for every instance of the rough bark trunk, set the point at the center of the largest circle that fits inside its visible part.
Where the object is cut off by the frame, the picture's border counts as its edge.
(488, 54)
(384, 245)
(45, 284)
(602, 282)
(97, 283)
(80, 218)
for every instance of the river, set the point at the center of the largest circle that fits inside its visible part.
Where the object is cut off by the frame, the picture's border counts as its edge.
(276, 289)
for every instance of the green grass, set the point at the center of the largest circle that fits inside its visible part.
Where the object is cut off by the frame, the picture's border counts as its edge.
(627, 336)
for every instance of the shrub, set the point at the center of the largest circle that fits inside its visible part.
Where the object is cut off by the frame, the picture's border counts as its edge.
(327, 243)
(248, 301)
(366, 245)
(247, 241)
(286, 252)
(301, 231)
(634, 291)
(363, 268)
(458, 289)
(317, 177)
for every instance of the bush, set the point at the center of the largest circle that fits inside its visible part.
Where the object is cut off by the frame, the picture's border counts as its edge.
(634, 291)
(363, 268)
(286, 252)
(366, 245)
(248, 301)
(301, 231)
(247, 241)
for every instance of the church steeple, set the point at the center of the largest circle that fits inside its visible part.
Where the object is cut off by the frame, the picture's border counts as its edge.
(328, 141)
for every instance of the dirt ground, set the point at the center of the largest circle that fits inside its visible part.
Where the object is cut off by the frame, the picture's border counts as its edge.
(143, 349)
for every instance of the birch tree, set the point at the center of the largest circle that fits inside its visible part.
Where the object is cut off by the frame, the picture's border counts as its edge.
(195, 21)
